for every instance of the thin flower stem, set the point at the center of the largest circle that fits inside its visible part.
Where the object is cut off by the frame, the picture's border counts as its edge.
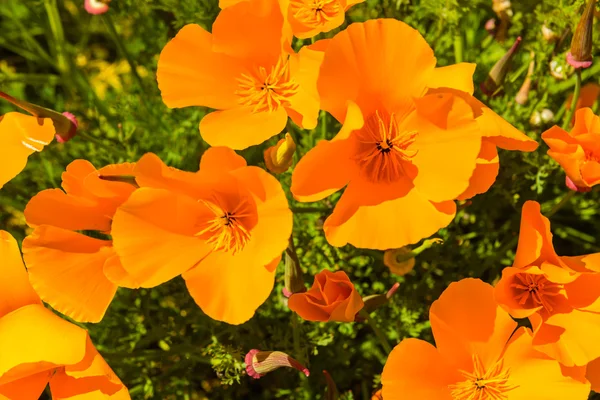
(378, 332)
(296, 332)
(567, 121)
(323, 124)
(458, 48)
(561, 203)
(309, 210)
(58, 34)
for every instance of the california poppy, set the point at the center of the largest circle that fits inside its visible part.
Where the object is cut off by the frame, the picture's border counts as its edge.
(246, 70)
(587, 97)
(21, 136)
(413, 138)
(332, 297)
(223, 229)
(76, 273)
(578, 151)
(480, 354)
(560, 295)
(37, 347)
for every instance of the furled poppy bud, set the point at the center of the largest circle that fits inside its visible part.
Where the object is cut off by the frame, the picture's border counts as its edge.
(293, 278)
(279, 158)
(580, 55)
(399, 261)
(332, 297)
(96, 7)
(332, 390)
(375, 301)
(65, 124)
(498, 73)
(259, 363)
(523, 94)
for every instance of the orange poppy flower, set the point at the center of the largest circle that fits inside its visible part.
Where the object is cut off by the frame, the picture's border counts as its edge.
(76, 273)
(479, 354)
(413, 138)
(37, 347)
(246, 70)
(578, 151)
(21, 136)
(223, 229)
(332, 297)
(587, 97)
(560, 295)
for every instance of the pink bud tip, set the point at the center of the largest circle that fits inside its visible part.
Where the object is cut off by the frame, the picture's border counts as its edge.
(490, 26)
(249, 368)
(286, 292)
(95, 7)
(577, 64)
(571, 185)
(391, 292)
(65, 137)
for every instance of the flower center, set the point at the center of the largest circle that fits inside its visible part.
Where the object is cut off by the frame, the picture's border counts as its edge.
(535, 290)
(383, 153)
(225, 232)
(315, 12)
(482, 384)
(267, 90)
(591, 156)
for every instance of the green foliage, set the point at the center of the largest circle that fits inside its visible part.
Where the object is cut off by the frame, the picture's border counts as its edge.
(158, 341)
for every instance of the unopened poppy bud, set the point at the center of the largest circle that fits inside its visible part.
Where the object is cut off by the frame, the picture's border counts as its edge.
(332, 390)
(279, 158)
(96, 7)
(498, 73)
(399, 261)
(63, 137)
(293, 277)
(580, 55)
(571, 185)
(259, 363)
(523, 94)
(375, 301)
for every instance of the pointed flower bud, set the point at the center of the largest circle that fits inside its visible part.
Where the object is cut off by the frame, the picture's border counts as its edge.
(332, 390)
(279, 158)
(375, 301)
(96, 7)
(293, 278)
(498, 73)
(523, 95)
(580, 55)
(259, 363)
(65, 124)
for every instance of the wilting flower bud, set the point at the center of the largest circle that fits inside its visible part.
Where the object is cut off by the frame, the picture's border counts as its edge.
(498, 73)
(279, 158)
(399, 261)
(293, 279)
(580, 55)
(523, 94)
(549, 35)
(96, 7)
(375, 301)
(571, 185)
(65, 124)
(259, 363)
(332, 390)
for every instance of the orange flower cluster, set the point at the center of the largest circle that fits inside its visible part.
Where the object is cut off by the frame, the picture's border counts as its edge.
(413, 141)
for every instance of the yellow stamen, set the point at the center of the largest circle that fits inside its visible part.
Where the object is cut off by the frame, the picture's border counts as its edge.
(225, 231)
(482, 384)
(267, 91)
(535, 290)
(315, 12)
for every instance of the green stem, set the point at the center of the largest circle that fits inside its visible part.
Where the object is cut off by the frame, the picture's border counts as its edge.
(323, 124)
(458, 48)
(567, 121)
(58, 34)
(561, 203)
(378, 332)
(309, 210)
(296, 332)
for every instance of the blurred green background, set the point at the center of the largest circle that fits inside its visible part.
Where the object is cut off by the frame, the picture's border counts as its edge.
(102, 69)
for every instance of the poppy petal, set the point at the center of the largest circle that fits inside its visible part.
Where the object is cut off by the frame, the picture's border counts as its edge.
(501, 133)
(58, 343)
(14, 283)
(593, 374)
(457, 76)
(365, 64)
(466, 320)
(114, 272)
(21, 135)
(397, 221)
(153, 234)
(29, 388)
(239, 128)
(505, 293)
(67, 270)
(485, 173)
(206, 79)
(304, 105)
(415, 370)
(221, 159)
(537, 376)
